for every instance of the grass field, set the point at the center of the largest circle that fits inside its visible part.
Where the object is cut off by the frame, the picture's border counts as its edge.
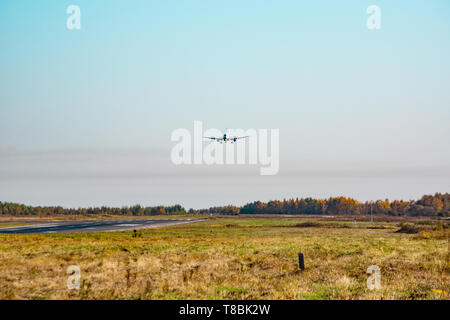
(231, 258)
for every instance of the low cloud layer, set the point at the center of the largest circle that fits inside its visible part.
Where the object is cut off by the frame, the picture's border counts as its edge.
(117, 177)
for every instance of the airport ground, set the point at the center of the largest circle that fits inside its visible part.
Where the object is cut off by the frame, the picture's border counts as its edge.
(243, 257)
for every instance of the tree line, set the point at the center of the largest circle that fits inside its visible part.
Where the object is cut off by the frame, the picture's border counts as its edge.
(428, 205)
(15, 209)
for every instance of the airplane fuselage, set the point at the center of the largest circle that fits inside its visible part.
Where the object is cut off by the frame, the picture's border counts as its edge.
(224, 138)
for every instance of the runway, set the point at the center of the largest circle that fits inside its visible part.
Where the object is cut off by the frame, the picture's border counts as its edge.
(95, 226)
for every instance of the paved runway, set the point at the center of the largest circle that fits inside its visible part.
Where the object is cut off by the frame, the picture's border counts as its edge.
(95, 226)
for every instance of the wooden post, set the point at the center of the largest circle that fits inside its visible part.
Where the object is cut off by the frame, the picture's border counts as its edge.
(301, 261)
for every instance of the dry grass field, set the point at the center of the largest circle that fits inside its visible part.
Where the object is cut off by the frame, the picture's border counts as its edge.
(232, 258)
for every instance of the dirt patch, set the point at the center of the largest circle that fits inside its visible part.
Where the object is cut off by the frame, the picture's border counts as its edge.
(413, 228)
(316, 225)
(308, 225)
(378, 227)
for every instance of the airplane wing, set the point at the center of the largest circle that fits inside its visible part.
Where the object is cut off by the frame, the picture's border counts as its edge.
(213, 138)
(235, 138)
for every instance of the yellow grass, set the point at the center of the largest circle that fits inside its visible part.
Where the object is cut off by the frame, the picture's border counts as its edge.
(229, 258)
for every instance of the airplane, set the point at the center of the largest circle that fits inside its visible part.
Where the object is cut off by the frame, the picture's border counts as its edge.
(225, 138)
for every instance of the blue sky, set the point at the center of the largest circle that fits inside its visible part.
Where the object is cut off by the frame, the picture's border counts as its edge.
(345, 98)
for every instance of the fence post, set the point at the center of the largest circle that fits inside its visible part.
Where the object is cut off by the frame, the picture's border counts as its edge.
(301, 261)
